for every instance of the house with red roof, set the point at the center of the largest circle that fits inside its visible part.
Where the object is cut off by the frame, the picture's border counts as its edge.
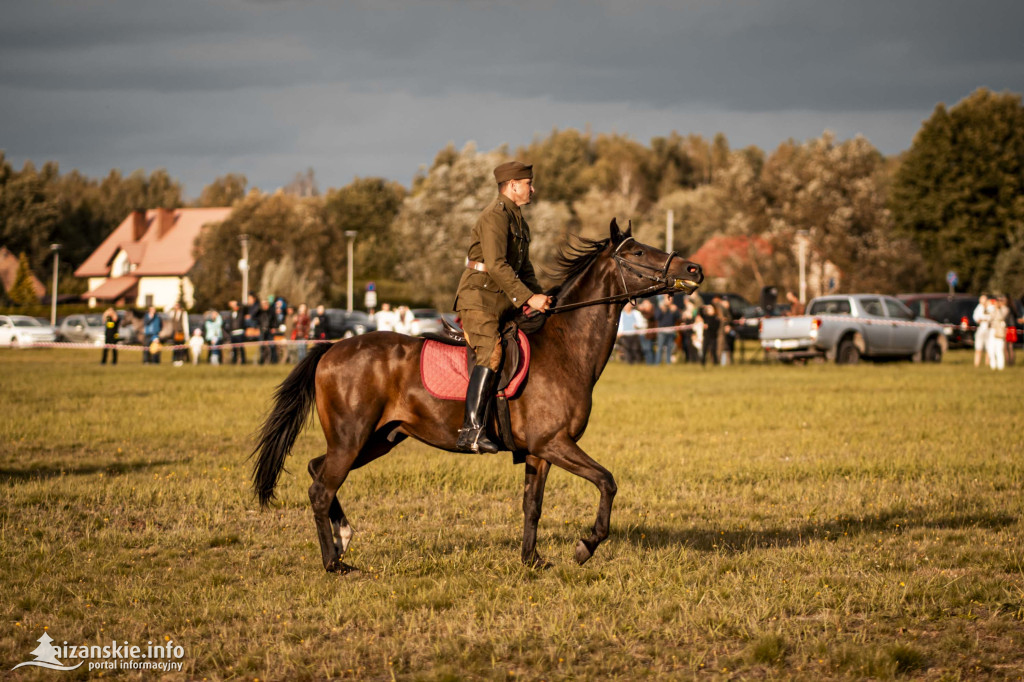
(147, 259)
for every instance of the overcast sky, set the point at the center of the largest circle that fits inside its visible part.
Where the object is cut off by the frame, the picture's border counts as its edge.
(376, 88)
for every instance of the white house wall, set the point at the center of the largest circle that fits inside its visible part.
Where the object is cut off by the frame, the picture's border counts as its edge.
(165, 291)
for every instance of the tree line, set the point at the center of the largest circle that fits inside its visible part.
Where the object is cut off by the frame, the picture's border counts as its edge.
(954, 201)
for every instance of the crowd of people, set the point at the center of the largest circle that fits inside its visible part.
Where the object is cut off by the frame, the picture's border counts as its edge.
(995, 332)
(398, 320)
(678, 329)
(264, 331)
(662, 330)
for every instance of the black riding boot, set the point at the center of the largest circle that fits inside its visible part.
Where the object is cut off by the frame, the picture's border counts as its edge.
(473, 434)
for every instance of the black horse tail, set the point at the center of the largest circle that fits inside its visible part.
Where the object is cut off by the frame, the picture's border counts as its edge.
(293, 401)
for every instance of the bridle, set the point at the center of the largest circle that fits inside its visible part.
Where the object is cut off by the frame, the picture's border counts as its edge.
(661, 281)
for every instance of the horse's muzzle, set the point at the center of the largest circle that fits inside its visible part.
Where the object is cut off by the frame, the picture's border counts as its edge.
(690, 279)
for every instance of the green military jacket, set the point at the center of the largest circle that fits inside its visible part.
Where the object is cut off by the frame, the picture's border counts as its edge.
(501, 241)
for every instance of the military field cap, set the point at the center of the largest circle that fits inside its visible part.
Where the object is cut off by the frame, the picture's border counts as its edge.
(513, 170)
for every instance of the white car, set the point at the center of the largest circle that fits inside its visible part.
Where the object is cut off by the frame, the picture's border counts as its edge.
(17, 331)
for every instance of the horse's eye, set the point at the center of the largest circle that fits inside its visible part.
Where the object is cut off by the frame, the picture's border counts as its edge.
(638, 252)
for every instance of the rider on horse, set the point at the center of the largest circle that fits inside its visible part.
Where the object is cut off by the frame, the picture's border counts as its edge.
(498, 279)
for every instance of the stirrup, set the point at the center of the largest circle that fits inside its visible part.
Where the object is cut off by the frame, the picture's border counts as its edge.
(474, 439)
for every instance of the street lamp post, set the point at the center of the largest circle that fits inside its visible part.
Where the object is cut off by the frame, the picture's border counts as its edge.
(802, 236)
(351, 234)
(243, 267)
(53, 293)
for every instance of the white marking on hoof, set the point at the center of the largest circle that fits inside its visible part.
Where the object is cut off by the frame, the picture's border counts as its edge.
(344, 535)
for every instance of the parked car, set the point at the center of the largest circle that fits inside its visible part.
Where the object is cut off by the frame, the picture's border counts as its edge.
(846, 328)
(954, 311)
(82, 328)
(342, 324)
(18, 331)
(426, 321)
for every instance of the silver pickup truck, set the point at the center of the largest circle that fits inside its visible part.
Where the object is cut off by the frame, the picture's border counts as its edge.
(847, 328)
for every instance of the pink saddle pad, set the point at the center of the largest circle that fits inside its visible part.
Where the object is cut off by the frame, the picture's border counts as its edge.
(443, 369)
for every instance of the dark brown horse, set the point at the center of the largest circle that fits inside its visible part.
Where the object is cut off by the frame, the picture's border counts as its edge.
(369, 396)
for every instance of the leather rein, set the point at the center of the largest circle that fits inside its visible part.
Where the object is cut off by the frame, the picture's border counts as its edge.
(661, 282)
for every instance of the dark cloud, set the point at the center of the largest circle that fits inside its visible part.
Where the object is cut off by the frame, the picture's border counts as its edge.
(362, 88)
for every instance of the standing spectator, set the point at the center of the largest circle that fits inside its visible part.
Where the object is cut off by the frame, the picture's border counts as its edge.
(195, 345)
(318, 324)
(667, 316)
(265, 323)
(300, 332)
(403, 325)
(179, 334)
(1011, 329)
(252, 323)
(235, 326)
(795, 306)
(647, 339)
(995, 346)
(629, 339)
(711, 326)
(726, 332)
(152, 325)
(981, 320)
(110, 335)
(289, 334)
(386, 318)
(279, 331)
(688, 316)
(214, 332)
(697, 338)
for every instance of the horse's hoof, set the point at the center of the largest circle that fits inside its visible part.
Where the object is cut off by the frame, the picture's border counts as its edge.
(340, 567)
(583, 553)
(537, 562)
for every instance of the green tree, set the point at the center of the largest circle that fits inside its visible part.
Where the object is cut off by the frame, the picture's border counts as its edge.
(23, 291)
(367, 206)
(958, 190)
(837, 193)
(433, 225)
(285, 233)
(560, 162)
(29, 211)
(224, 191)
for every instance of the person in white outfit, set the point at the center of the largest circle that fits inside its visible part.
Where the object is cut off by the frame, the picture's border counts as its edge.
(195, 345)
(997, 336)
(386, 318)
(981, 313)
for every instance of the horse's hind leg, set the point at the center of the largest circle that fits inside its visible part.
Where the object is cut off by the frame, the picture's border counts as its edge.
(329, 472)
(341, 531)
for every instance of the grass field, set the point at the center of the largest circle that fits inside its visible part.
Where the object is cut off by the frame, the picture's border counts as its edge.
(772, 522)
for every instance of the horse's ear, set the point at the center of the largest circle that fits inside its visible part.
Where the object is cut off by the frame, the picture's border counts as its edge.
(616, 233)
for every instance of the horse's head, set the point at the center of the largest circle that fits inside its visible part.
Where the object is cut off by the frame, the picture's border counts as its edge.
(645, 270)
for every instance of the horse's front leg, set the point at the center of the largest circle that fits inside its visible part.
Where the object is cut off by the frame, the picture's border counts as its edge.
(562, 451)
(533, 499)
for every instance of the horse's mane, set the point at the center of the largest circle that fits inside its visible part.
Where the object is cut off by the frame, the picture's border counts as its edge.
(574, 256)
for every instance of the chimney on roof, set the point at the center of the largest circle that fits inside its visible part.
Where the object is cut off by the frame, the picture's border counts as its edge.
(138, 224)
(164, 221)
